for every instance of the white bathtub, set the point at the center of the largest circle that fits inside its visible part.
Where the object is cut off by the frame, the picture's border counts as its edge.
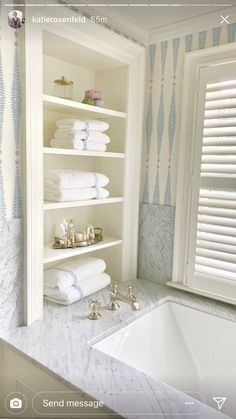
(186, 348)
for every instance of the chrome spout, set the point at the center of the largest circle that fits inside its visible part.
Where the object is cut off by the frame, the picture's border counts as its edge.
(115, 296)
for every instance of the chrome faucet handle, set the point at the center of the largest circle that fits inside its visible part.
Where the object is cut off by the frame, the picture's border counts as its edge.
(113, 304)
(130, 292)
(114, 288)
(94, 314)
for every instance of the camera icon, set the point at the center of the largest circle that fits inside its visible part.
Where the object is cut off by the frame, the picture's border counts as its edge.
(16, 403)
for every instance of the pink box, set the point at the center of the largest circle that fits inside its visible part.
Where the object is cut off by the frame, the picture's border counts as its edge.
(93, 94)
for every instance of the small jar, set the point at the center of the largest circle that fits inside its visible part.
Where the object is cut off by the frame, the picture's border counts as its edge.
(63, 88)
(79, 237)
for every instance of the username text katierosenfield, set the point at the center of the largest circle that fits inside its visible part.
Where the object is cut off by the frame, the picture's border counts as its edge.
(69, 19)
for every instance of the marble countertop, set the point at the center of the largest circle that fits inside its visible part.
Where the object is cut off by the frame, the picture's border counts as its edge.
(61, 342)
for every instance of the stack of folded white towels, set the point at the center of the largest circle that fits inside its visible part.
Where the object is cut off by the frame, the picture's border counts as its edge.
(71, 281)
(81, 134)
(74, 185)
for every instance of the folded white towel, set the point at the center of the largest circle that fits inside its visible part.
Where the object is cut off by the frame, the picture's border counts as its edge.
(69, 296)
(72, 272)
(69, 179)
(74, 134)
(72, 294)
(76, 144)
(80, 194)
(83, 124)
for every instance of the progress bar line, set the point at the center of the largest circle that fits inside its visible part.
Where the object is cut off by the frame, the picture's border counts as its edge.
(117, 5)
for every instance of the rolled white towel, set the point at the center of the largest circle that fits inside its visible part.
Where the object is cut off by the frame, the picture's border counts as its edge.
(83, 124)
(72, 294)
(69, 179)
(71, 134)
(80, 194)
(77, 144)
(72, 272)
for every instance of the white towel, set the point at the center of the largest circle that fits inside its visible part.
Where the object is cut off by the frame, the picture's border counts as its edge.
(69, 179)
(72, 272)
(74, 134)
(83, 124)
(80, 194)
(69, 296)
(72, 294)
(76, 144)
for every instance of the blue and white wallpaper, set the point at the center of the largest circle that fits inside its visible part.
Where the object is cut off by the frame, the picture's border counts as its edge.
(10, 122)
(163, 109)
(161, 141)
(11, 226)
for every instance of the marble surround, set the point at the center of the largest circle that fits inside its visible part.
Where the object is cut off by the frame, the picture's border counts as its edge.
(61, 343)
(12, 271)
(156, 240)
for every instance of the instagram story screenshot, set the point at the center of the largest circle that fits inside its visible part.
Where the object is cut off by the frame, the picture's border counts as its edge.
(118, 209)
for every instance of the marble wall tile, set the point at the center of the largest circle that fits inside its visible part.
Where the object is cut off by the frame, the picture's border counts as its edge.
(11, 274)
(156, 239)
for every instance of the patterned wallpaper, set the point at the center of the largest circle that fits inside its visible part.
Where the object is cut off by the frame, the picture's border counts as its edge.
(10, 121)
(163, 109)
(11, 227)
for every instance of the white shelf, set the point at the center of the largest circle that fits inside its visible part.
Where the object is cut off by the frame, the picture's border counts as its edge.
(68, 152)
(53, 255)
(48, 205)
(58, 104)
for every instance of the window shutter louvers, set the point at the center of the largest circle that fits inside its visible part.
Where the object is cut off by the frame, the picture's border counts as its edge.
(215, 245)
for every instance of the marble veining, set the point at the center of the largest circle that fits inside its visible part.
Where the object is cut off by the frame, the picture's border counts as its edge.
(156, 239)
(61, 342)
(11, 278)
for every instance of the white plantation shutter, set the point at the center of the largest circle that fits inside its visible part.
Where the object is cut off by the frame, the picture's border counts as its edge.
(211, 262)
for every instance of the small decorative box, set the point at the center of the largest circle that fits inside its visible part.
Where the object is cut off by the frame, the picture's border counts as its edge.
(93, 94)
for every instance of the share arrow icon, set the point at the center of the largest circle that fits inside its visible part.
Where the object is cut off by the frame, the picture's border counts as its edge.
(220, 401)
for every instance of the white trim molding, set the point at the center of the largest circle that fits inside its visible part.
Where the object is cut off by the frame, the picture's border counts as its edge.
(195, 24)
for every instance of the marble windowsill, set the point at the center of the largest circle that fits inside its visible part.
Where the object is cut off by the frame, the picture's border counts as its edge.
(61, 341)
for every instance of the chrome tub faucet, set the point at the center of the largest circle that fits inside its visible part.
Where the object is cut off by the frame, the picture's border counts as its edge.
(115, 296)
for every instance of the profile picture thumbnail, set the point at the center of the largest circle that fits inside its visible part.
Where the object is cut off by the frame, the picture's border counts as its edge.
(16, 19)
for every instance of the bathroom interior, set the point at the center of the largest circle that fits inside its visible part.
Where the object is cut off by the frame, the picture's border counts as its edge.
(118, 209)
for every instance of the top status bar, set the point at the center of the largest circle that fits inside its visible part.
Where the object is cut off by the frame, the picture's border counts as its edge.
(120, 4)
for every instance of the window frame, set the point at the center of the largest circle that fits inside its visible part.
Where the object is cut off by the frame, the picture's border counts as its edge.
(194, 61)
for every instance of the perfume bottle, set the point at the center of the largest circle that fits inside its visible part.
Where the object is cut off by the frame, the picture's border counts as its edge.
(71, 231)
(64, 231)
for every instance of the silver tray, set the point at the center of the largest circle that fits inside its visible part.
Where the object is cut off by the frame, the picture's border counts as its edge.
(86, 243)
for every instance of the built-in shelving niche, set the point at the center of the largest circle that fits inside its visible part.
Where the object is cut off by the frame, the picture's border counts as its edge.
(88, 70)
(94, 58)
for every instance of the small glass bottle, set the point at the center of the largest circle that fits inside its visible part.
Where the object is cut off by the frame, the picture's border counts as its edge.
(63, 88)
(64, 230)
(71, 231)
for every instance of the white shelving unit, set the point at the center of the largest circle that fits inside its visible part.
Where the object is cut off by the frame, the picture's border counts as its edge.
(67, 152)
(57, 205)
(53, 255)
(58, 104)
(115, 66)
